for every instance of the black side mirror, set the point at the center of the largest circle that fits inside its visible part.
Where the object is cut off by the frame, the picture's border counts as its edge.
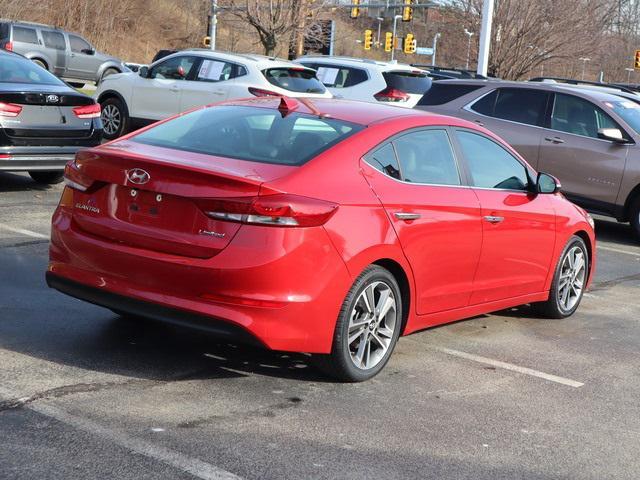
(547, 183)
(144, 72)
(88, 51)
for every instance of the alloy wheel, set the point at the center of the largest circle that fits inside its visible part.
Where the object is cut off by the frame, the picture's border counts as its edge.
(572, 276)
(372, 324)
(111, 119)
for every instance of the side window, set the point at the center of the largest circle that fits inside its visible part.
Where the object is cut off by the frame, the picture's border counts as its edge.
(25, 35)
(490, 165)
(579, 116)
(441, 93)
(427, 157)
(175, 68)
(384, 159)
(340, 77)
(515, 104)
(78, 44)
(486, 104)
(215, 71)
(53, 40)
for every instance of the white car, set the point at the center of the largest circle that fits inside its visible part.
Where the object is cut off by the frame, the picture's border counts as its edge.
(191, 78)
(370, 80)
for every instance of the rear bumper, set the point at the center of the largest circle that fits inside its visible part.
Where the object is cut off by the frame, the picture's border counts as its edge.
(36, 158)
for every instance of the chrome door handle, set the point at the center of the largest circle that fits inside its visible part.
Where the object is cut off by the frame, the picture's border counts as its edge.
(479, 123)
(493, 218)
(554, 139)
(407, 216)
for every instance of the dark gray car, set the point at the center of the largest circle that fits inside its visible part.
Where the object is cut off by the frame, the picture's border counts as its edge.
(43, 121)
(63, 53)
(589, 139)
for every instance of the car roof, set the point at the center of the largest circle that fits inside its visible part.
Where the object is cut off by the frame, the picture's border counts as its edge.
(362, 113)
(28, 24)
(361, 62)
(260, 61)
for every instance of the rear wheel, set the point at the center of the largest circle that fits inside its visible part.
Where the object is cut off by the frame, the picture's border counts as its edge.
(368, 328)
(115, 119)
(569, 281)
(634, 214)
(46, 178)
(39, 62)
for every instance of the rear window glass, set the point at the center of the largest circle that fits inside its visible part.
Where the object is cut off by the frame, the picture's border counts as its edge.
(294, 80)
(335, 76)
(408, 82)
(15, 69)
(441, 93)
(26, 35)
(250, 133)
(517, 105)
(4, 30)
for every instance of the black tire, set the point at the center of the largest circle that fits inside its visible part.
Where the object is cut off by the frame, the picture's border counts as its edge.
(107, 72)
(47, 177)
(553, 307)
(339, 364)
(634, 217)
(41, 63)
(115, 118)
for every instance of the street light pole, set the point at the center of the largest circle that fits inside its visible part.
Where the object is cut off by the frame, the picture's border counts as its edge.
(584, 64)
(380, 20)
(214, 21)
(393, 43)
(435, 45)
(468, 34)
(629, 70)
(485, 37)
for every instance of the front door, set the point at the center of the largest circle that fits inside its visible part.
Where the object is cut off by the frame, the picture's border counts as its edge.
(437, 220)
(82, 62)
(519, 226)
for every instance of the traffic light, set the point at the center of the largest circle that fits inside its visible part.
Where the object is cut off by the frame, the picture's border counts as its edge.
(355, 9)
(409, 43)
(206, 41)
(388, 41)
(636, 63)
(368, 39)
(407, 11)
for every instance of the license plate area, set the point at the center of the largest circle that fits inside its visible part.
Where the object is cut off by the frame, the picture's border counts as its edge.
(144, 207)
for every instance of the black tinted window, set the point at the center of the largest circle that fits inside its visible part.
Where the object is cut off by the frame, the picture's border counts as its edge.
(408, 82)
(26, 35)
(336, 76)
(4, 30)
(53, 40)
(579, 116)
(175, 68)
(384, 159)
(426, 157)
(490, 165)
(515, 104)
(486, 104)
(295, 79)
(250, 133)
(78, 44)
(441, 93)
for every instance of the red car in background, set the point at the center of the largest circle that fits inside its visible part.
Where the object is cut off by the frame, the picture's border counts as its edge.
(324, 226)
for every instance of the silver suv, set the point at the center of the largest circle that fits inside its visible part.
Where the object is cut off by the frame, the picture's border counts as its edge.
(64, 54)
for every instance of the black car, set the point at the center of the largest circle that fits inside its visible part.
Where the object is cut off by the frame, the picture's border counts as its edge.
(43, 121)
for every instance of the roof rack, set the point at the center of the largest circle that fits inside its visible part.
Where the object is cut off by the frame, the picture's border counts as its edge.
(572, 81)
(460, 73)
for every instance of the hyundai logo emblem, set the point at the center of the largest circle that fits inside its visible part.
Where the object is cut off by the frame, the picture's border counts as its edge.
(53, 99)
(138, 176)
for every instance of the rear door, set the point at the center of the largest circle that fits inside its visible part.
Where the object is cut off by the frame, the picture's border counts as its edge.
(55, 46)
(436, 218)
(209, 84)
(589, 168)
(519, 227)
(158, 95)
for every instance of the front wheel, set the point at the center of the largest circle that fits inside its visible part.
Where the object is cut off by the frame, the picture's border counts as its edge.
(569, 281)
(367, 329)
(634, 214)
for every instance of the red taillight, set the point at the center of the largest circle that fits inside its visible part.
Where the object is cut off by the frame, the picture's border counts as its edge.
(8, 46)
(390, 94)
(74, 178)
(9, 109)
(88, 111)
(259, 92)
(281, 210)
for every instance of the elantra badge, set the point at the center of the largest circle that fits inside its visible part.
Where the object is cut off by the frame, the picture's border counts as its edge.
(138, 176)
(53, 99)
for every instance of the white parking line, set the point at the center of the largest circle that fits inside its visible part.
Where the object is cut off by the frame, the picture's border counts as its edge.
(514, 368)
(22, 231)
(184, 463)
(618, 250)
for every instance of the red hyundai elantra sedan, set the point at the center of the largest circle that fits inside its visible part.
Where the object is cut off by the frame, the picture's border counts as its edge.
(330, 227)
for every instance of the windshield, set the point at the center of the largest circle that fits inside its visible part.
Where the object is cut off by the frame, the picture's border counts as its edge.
(20, 70)
(250, 133)
(628, 110)
(408, 82)
(301, 80)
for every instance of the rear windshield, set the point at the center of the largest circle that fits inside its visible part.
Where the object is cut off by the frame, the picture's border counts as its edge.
(15, 69)
(441, 93)
(294, 79)
(4, 31)
(250, 133)
(408, 82)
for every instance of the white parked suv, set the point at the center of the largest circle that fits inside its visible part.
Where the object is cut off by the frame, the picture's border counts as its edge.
(191, 78)
(370, 80)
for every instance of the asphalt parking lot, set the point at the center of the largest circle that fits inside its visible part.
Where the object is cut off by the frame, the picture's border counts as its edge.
(86, 394)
